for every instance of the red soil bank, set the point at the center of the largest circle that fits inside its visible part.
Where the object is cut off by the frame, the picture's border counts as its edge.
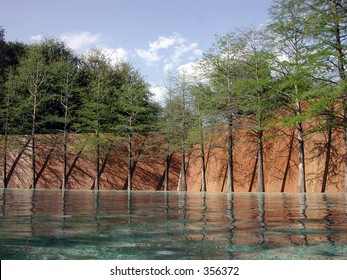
(280, 163)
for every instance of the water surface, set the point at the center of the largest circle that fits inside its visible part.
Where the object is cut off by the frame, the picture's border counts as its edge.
(51, 224)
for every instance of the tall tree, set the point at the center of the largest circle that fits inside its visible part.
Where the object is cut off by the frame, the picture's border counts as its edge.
(254, 89)
(4, 104)
(328, 28)
(181, 108)
(95, 111)
(136, 110)
(169, 131)
(6, 113)
(289, 34)
(62, 82)
(201, 96)
(32, 72)
(67, 73)
(221, 68)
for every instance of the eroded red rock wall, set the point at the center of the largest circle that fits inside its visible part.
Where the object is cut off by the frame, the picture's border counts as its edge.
(280, 163)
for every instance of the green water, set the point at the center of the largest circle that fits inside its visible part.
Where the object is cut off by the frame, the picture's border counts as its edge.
(51, 224)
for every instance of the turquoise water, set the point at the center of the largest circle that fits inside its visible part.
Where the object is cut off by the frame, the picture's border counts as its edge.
(51, 224)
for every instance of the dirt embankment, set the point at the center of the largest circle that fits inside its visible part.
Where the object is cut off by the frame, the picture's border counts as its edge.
(280, 163)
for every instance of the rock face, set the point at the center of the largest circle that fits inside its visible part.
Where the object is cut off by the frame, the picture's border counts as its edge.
(280, 163)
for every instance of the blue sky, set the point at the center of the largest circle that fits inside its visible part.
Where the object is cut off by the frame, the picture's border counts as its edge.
(157, 36)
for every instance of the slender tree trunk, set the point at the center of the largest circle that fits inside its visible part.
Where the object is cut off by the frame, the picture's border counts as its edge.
(289, 158)
(33, 162)
(260, 161)
(64, 183)
(253, 174)
(166, 180)
(65, 138)
(33, 151)
(230, 179)
(301, 151)
(327, 160)
(183, 170)
(179, 181)
(203, 169)
(129, 162)
(97, 164)
(4, 177)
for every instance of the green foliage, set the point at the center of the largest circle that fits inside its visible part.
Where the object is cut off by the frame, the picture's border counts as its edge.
(93, 114)
(137, 113)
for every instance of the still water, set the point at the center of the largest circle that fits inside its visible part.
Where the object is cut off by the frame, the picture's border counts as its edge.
(51, 224)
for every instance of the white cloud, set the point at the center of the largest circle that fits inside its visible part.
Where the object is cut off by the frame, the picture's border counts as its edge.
(189, 69)
(193, 71)
(182, 49)
(148, 55)
(80, 41)
(197, 53)
(171, 49)
(38, 37)
(168, 67)
(159, 93)
(164, 42)
(115, 55)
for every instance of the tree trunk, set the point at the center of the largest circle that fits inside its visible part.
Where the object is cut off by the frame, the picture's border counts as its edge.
(166, 180)
(301, 149)
(183, 170)
(179, 181)
(129, 163)
(4, 179)
(230, 179)
(253, 174)
(64, 160)
(97, 165)
(289, 158)
(203, 170)
(33, 162)
(327, 160)
(260, 161)
(33, 152)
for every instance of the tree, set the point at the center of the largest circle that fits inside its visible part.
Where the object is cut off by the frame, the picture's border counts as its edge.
(10, 105)
(66, 73)
(254, 83)
(62, 85)
(177, 122)
(328, 28)
(33, 74)
(291, 40)
(222, 72)
(136, 112)
(94, 112)
(168, 131)
(200, 94)
(6, 107)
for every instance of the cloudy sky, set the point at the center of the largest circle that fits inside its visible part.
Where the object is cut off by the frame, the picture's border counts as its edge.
(157, 36)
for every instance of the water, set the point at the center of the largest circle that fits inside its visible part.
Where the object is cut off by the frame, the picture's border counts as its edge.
(51, 224)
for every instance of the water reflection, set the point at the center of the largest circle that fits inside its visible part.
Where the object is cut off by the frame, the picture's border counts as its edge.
(152, 225)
